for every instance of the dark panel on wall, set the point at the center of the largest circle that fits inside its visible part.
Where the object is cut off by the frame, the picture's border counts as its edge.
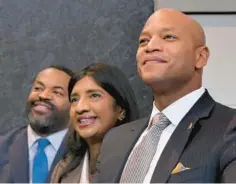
(38, 33)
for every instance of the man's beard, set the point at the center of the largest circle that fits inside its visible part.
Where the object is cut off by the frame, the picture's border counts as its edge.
(57, 121)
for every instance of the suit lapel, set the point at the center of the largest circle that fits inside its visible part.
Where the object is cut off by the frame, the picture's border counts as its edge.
(73, 176)
(131, 140)
(19, 158)
(176, 144)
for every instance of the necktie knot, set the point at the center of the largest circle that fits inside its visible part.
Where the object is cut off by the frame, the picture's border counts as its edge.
(161, 120)
(43, 143)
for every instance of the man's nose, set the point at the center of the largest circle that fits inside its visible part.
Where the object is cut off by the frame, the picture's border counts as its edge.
(46, 94)
(155, 44)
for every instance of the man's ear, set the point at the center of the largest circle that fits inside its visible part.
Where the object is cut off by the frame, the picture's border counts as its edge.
(202, 55)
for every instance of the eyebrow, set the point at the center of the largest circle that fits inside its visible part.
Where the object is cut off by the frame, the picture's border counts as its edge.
(165, 29)
(88, 91)
(39, 82)
(58, 87)
(54, 87)
(168, 29)
(144, 33)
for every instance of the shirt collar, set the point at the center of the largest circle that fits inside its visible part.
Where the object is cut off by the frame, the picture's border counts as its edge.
(177, 110)
(32, 137)
(55, 139)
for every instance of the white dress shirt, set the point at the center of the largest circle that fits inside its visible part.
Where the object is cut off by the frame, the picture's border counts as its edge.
(175, 113)
(51, 150)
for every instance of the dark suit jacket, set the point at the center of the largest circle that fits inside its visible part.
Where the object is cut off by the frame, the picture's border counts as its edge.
(191, 144)
(222, 165)
(14, 156)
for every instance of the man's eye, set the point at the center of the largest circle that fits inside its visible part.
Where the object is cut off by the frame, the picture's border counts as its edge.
(37, 88)
(58, 93)
(143, 41)
(170, 37)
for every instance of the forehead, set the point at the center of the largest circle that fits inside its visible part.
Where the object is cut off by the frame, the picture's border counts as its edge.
(85, 84)
(167, 22)
(53, 77)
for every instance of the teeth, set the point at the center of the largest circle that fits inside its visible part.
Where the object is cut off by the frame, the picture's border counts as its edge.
(85, 120)
(43, 106)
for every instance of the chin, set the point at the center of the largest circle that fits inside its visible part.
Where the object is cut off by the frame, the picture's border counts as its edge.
(150, 79)
(92, 138)
(86, 135)
(45, 118)
(34, 118)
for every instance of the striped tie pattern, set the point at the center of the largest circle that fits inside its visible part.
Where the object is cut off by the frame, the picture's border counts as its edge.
(138, 164)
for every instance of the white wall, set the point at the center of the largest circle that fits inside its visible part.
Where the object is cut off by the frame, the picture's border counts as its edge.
(197, 5)
(220, 73)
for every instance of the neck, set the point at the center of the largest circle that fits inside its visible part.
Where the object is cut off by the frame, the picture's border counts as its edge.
(46, 131)
(164, 99)
(48, 134)
(94, 150)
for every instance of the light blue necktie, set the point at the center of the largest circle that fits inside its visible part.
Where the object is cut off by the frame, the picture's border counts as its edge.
(40, 164)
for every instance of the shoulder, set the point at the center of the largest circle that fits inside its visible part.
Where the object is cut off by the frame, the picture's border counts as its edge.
(222, 113)
(126, 128)
(219, 106)
(207, 102)
(7, 138)
(224, 154)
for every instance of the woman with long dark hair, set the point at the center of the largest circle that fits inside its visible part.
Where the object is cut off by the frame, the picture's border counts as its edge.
(101, 98)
